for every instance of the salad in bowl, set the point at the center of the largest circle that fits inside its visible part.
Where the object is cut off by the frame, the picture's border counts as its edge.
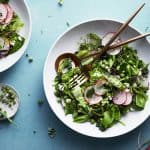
(10, 25)
(116, 84)
(104, 95)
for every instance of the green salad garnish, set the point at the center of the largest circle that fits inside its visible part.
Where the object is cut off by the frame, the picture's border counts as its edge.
(116, 85)
(10, 25)
(14, 26)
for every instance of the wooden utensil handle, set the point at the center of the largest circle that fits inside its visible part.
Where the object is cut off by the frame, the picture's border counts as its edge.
(128, 41)
(122, 28)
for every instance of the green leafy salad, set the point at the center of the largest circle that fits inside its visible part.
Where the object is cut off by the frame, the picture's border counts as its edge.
(10, 25)
(117, 84)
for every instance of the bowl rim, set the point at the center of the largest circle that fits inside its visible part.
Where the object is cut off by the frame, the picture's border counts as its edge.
(45, 66)
(26, 40)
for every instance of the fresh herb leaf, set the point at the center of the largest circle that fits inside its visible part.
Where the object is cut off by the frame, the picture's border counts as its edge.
(27, 55)
(61, 2)
(51, 132)
(81, 119)
(140, 100)
(15, 25)
(40, 102)
(34, 132)
(91, 42)
(30, 59)
(3, 114)
(17, 41)
(68, 24)
(107, 119)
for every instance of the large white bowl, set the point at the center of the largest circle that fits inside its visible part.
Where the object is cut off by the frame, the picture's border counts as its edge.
(21, 8)
(68, 42)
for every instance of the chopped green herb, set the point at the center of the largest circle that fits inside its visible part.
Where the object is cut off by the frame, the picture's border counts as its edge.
(146, 29)
(68, 24)
(30, 59)
(51, 132)
(3, 114)
(7, 96)
(34, 132)
(27, 55)
(16, 41)
(61, 2)
(40, 102)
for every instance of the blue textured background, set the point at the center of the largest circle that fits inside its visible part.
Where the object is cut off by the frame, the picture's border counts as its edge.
(49, 21)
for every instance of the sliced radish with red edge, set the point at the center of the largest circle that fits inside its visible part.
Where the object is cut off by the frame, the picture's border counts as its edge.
(123, 98)
(3, 12)
(106, 39)
(9, 14)
(119, 98)
(93, 98)
(128, 99)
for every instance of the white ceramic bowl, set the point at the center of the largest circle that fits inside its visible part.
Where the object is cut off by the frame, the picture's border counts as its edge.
(13, 110)
(68, 42)
(21, 8)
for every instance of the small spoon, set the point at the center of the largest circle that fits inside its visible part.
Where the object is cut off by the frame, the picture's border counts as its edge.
(11, 111)
(72, 56)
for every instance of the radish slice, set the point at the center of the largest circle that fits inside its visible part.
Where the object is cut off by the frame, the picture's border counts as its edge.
(106, 39)
(99, 89)
(9, 14)
(128, 99)
(93, 98)
(3, 12)
(123, 98)
(120, 98)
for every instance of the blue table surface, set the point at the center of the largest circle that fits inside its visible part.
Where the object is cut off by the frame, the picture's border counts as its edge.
(49, 21)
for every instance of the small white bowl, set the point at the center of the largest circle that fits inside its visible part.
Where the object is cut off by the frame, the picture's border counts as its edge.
(22, 9)
(11, 111)
(68, 42)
